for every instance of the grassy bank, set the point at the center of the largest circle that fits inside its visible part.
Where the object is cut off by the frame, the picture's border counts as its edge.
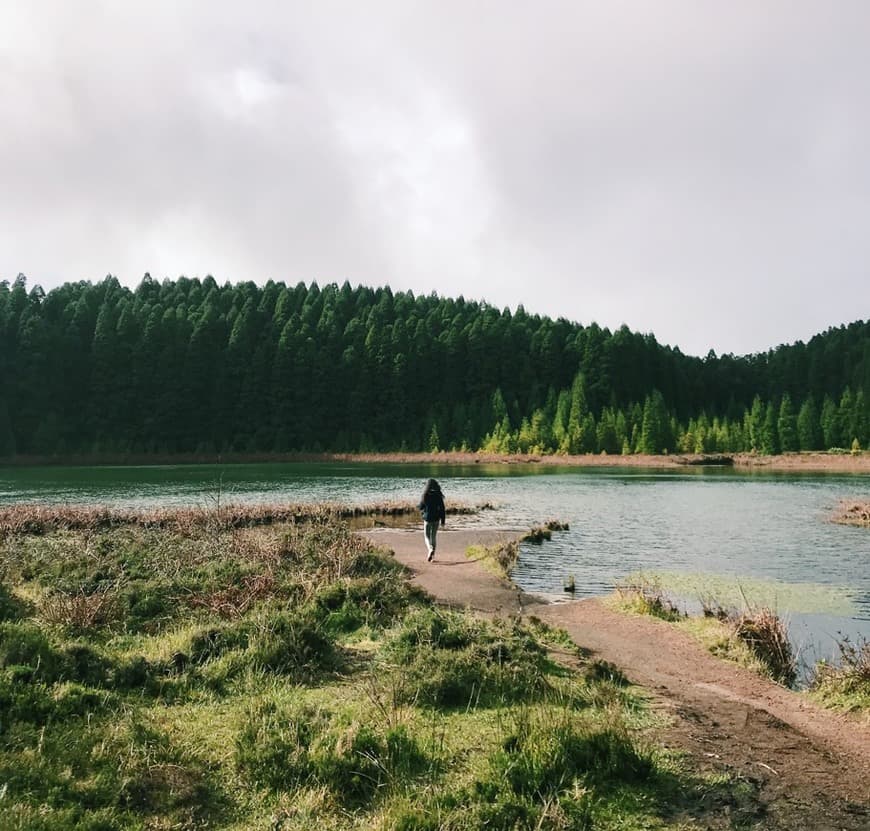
(756, 637)
(194, 674)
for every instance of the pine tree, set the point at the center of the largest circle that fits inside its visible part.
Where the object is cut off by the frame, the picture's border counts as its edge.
(787, 426)
(830, 423)
(755, 425)
(808, 428)
(769, 436)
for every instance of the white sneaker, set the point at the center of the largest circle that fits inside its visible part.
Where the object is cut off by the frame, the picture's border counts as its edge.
(431, 555)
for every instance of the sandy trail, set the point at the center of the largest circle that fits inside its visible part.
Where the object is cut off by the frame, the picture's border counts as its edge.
(807, 768)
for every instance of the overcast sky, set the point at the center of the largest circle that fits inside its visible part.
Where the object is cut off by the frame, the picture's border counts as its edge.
(699, 170)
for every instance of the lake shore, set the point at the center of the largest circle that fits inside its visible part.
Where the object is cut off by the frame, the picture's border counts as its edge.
(809, 462)
(723, 716)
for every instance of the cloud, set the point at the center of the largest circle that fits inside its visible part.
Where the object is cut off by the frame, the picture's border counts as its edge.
(689, 170)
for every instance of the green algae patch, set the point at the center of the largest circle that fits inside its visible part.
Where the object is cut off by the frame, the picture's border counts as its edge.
(724, 591)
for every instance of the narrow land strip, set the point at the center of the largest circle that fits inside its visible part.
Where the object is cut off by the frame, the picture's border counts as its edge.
(809, 766)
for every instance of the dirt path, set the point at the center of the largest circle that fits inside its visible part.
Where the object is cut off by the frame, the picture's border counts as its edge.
(804, 767)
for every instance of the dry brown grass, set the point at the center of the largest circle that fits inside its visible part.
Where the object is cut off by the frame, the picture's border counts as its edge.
(232, 602)
(766, 634)
(80, 610)
(852, 512)
(40, 519)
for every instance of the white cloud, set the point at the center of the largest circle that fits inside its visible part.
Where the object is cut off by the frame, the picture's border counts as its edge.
(690, 170)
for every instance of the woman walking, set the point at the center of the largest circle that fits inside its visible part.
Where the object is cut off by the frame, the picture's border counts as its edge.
(432, 506)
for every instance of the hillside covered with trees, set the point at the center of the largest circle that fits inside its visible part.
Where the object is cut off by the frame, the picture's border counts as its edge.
(191, 366)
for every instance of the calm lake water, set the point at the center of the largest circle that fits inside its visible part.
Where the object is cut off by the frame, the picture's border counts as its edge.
(762, 538)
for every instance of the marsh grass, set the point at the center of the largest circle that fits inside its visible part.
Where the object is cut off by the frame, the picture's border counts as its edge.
(198, 674)
(541, 533)
(852, 512)
(645, 595)
(766, 634)
(40, 519)
(845, 685)
(756, 637)
(500, 559)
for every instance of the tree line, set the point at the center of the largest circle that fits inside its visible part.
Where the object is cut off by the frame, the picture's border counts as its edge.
(193, 366)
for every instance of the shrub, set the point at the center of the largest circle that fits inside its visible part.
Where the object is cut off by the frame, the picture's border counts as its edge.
(157, 778)
(86, 665)
(765, 633)
(430, 627)
(364, 601)
(287, 748)
(80, 610)
(148, 605)
(26, 702)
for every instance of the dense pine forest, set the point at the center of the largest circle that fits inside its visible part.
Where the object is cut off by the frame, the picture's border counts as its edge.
(191, 366)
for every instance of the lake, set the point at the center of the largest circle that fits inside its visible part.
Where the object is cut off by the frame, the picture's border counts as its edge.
(759, 537)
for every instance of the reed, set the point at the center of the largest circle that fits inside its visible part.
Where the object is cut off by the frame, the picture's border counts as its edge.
(36, 519)
(852, 512)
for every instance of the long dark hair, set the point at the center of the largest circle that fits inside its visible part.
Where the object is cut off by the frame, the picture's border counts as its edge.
(431, 487)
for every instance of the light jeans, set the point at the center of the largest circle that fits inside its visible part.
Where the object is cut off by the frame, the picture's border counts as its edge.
(430, 529)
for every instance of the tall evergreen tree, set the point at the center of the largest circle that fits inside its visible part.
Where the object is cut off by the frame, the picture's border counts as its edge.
(787, 426)
(808, 427)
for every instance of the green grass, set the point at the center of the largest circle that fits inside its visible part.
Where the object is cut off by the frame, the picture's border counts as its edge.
(499, 559)
(845, 685)
(288, 677)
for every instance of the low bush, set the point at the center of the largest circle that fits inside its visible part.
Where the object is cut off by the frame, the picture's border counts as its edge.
(156, 778)
(765, 633)
(547, 760)
(545, 775)
(431, 627)
(79, 610)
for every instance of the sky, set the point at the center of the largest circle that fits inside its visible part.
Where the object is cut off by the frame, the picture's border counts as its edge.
(691, 168)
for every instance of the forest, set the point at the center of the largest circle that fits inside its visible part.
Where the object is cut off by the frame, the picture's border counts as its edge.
(193, 366)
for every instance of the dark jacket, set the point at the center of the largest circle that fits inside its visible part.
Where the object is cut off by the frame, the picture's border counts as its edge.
(432, 507)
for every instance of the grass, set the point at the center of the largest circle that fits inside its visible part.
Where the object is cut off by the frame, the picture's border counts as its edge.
(645, 595)
(500, 559)
(286, 675)
(541, 533)
(845, 685)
